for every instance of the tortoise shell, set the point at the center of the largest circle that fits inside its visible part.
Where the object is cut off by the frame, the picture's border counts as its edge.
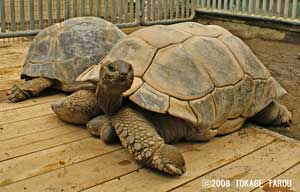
(64, 50)
(202, 74)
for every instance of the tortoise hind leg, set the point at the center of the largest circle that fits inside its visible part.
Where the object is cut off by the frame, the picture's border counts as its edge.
(27, 89)
(77, 108)
(273, 114)
(139, 136)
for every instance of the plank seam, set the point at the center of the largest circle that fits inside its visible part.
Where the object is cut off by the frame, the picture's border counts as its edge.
(298, 163)
(58, 127)
(118, 177)
(34, 104)
(26, 119)
(219, 167)
(46, 147)
(275, 134)
(137, 170)
(31, 133)
(67, 165)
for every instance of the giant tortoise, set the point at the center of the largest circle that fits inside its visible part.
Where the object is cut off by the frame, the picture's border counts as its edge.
(59, 53)
(185, 81)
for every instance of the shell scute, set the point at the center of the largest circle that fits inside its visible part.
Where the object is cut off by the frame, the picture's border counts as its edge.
(204, 108)
(167, 35)
(197, 29)
(259, 86)
(151, 99)
(173, 72)
(182, 109)
(216, 60)
(223, 99)
(246, 58)
(243, 92)
(134, 51)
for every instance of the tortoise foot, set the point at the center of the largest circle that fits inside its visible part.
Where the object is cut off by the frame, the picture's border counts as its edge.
(140, 137)
(286, 118)
(27, 89)
(100, 126)
(16, 94)
(168, 160)
(274, 114)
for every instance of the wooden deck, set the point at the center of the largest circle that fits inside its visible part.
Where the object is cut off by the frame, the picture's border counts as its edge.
(39, 153)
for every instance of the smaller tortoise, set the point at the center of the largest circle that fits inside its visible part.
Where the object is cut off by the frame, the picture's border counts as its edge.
(191, 82)
(59, 53)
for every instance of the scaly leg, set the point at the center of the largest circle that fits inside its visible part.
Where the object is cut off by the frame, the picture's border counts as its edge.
(171, 129)
(77, 108)
(27, 89)
(139, 136)
(100, 126)
(273, 114)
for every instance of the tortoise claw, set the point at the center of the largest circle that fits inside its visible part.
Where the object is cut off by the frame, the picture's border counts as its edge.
(100, 126)
(286, 122)
(8, 92)
(168, 160)
(15, 94)
(286, 118)
(172, 170)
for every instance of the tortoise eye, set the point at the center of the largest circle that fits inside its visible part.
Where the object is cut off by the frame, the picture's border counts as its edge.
(111, 68)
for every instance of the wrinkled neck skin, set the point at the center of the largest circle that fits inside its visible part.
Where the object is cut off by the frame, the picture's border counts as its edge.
(108, 100)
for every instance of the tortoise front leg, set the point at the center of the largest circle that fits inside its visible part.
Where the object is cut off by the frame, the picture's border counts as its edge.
(27, 89)
(101, 126)
(139, 136)
(77, 108)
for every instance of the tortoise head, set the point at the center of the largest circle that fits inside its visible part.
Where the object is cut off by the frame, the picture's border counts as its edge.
(117, 76)
(114, 79)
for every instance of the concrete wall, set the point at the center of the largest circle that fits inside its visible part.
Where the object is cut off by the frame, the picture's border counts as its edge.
(253, 28)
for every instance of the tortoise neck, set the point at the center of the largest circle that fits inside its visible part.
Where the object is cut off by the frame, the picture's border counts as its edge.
(109, 102)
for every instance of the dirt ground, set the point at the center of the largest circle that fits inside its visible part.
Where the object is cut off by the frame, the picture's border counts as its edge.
(283, 60)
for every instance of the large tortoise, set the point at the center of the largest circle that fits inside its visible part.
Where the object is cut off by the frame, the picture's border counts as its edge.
(59, 53)
(190, 82)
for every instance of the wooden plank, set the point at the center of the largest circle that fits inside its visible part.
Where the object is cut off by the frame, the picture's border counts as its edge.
(3, 96)
(73, 178)
(30, 102)
(200, 159)
(10, 73)
(278, 136)
(14, 55)
(25, 127)
(263, 165)
(5, 85)
(292, 174)
(48, 160)
(40, 141)
(25, 113)
(79, 176)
